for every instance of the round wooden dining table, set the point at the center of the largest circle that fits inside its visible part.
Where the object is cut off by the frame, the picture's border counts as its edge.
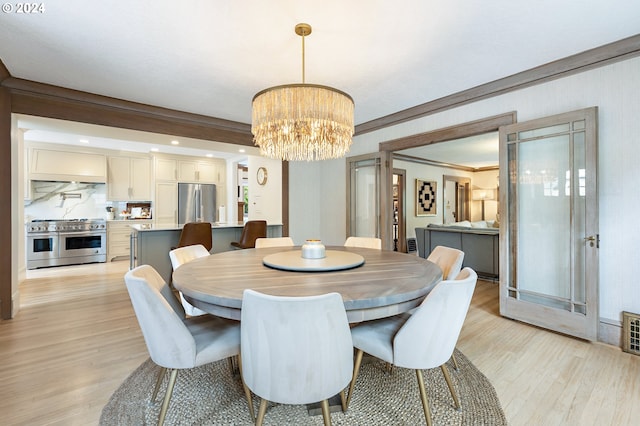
(385, 284)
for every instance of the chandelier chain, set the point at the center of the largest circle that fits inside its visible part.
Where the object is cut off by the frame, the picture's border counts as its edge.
(303, 65)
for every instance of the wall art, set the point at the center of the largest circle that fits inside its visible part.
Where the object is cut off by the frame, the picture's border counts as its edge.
(426, 191)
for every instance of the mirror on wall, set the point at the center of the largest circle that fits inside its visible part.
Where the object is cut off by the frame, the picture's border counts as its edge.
(456, 197)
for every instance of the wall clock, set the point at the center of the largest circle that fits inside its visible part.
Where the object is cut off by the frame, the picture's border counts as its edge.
(262, 175)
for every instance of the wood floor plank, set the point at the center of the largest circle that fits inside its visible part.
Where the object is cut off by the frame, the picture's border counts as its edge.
(544, 378)
(72, 344)
(76, 339)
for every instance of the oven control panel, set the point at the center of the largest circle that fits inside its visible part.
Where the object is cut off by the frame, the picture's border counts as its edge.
(78, 225)
(41, 227)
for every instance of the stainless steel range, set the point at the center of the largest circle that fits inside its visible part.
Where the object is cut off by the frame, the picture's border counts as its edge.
(66, 242)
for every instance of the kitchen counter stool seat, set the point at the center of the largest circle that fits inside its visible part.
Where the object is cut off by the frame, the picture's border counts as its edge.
(252, 230)
(196, 233)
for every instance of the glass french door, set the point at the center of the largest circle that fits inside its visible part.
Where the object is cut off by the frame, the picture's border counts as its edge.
(549, 223)
(368, 191)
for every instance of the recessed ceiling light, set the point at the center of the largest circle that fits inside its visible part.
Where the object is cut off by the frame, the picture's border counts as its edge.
(84, 140)
(174, 142)
(210, 155)
(154, 150)
(241, 150)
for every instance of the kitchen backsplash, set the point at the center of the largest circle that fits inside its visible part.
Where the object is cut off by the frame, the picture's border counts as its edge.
(68, 200)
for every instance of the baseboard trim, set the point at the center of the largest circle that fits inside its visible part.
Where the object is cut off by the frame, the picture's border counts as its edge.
(15, 303)
(610, 332)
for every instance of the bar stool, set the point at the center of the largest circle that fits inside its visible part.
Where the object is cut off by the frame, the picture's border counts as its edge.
(252, 229)
(194, 233)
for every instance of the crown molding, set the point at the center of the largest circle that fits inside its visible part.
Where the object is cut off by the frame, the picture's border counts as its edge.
(4, 72)
(45, 100)
(589, 59)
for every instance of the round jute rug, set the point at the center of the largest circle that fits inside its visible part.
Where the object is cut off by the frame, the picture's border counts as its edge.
(213, 395)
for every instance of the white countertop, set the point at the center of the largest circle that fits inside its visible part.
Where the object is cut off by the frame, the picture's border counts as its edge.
(144, 227)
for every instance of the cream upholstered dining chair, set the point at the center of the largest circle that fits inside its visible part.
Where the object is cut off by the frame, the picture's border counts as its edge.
(274, 242)
(448, 259)
(174, 342)
(295, 350)
(179, 257)
(422, 340)
(364, 242)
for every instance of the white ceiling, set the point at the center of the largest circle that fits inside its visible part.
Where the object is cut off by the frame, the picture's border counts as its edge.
(211, 57)
(46, 130)
(474, 151)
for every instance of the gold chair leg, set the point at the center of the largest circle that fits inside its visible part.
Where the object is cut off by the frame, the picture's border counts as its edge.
(356, 370)
(247, 392)
(423, 397)
(261, 412)
(447, 377)
(455, 361)
(326, 413)
(343, 400)
(167, 396)
(158, 383)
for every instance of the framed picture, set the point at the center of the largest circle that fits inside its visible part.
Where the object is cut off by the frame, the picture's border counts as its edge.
(426, 191)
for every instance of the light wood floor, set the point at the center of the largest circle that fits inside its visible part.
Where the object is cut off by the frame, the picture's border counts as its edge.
(76, 339)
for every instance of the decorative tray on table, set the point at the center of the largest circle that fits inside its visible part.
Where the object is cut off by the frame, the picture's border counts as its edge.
(334, 260)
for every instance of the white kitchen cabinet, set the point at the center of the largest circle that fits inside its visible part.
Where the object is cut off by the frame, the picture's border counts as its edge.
(165, 208)
(166, 169)
(209, 172)
(140, 179)
(128, 178)
(199, 171)
(187, 171)
(118, 243)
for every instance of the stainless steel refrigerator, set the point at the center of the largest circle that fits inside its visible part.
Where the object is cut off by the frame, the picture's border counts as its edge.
(196, 203)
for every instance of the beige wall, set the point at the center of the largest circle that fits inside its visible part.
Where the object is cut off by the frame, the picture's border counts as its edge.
(613, 88)
(265, 201)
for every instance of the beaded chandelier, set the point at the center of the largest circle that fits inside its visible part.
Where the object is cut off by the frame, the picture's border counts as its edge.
(297, 122)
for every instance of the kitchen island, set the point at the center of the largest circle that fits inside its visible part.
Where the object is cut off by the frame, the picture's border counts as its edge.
(151, 243)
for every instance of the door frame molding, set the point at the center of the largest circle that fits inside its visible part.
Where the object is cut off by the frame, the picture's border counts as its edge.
(463, 130)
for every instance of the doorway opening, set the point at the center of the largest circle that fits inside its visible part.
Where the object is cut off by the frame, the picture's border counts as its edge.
(402, 149)
(242, 211)
(398, 196)
(456, 199)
